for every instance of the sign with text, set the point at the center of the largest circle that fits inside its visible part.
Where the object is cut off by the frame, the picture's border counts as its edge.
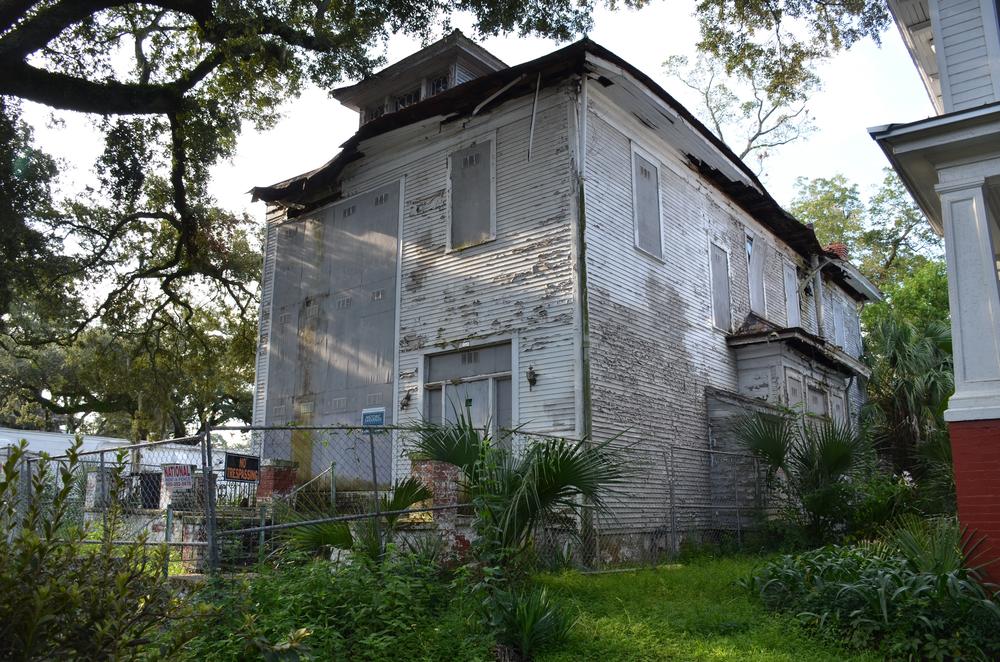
(178, 476)
(373, 417)
(242, 468)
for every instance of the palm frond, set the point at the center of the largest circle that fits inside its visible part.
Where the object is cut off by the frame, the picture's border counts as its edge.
(406, 494)
(460, 444)
(317, 538)
(768, 436)
(554, 474)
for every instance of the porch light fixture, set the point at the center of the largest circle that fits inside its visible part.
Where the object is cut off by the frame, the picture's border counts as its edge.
(532, 377)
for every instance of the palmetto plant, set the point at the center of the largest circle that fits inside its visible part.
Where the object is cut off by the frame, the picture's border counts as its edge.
(362, 536)
(812, 460)
(909, 387)
(512, 494)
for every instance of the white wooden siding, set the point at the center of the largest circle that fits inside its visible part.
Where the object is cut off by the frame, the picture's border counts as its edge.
(273, 217)
(518, 286)
(653, 346)
(965, 33)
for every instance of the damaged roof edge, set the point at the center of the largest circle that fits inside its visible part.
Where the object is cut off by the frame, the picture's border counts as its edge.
(802, 239)
(462, 99)
(806, 343)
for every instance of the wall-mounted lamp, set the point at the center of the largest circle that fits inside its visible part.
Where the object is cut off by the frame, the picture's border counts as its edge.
(532, 377)
(404, 402)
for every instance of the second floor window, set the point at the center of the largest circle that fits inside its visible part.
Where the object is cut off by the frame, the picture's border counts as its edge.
(756, 252)
(793, 311)
(722, 315)
(646, 205)
(472, 196)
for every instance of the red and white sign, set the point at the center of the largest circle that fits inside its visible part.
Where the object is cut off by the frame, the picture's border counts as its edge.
(178, 476)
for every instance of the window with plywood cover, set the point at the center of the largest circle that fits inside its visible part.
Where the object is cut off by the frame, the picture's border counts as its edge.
(756, 258)
(646, 203)
(471, 195)
(722, 315)
(793, 311)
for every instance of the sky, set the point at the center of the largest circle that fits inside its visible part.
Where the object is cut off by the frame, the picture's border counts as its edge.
(866, 86)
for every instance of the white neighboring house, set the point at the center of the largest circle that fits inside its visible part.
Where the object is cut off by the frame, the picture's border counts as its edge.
(56, 443)
(557, 246)
(951, 165)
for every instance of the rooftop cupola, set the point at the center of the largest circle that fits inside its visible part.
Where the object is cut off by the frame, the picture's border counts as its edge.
(444, 64)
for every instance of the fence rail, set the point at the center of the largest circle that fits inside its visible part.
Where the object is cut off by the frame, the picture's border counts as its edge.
(230, 497)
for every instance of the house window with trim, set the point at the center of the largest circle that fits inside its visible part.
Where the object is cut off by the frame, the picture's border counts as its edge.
(646, 205)
(722, 315)
(407, 98)
(374, 112)
(472, 383)
(438, 84)
(756, 252)
(473, 196)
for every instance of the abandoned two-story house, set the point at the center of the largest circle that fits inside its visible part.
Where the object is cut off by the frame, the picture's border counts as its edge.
(558, 247)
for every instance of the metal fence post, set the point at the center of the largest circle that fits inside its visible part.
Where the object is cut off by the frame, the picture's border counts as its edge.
(378, 516)
(166, 538)
(260, 536)
(103, 497)
(333, 486)
(213, 550)
(24, 495)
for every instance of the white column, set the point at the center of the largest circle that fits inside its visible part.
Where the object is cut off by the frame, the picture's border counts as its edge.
(974, 296)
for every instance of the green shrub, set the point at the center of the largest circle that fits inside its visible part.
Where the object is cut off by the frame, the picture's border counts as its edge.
(876, 500)
(358, 611)
(527, 621)
(63, 599)
(811, 463)
(912, 602)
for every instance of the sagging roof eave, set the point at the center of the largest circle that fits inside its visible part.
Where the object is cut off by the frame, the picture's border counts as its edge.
(807, 344)
(570, 59)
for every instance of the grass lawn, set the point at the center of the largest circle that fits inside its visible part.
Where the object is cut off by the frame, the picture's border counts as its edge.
(679, 612)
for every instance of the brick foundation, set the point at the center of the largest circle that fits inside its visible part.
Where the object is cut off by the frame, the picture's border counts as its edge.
(277, 477)
(975, 448)
(442, 480)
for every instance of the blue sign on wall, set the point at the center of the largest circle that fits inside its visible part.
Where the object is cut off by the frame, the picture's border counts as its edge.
(374, 417)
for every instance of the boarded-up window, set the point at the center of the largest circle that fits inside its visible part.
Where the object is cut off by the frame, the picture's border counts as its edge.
(817, 402)
(721, 311)
(793, 311)
(756, 254)
(839, 412)
(794, 385)
(646, 203)
(471, 195)
(839, 326)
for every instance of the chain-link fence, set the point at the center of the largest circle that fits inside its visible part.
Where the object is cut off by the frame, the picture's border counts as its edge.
(153, 493)
(230, 498)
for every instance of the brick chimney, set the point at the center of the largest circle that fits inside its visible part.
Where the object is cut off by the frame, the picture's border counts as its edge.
(839, 248)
